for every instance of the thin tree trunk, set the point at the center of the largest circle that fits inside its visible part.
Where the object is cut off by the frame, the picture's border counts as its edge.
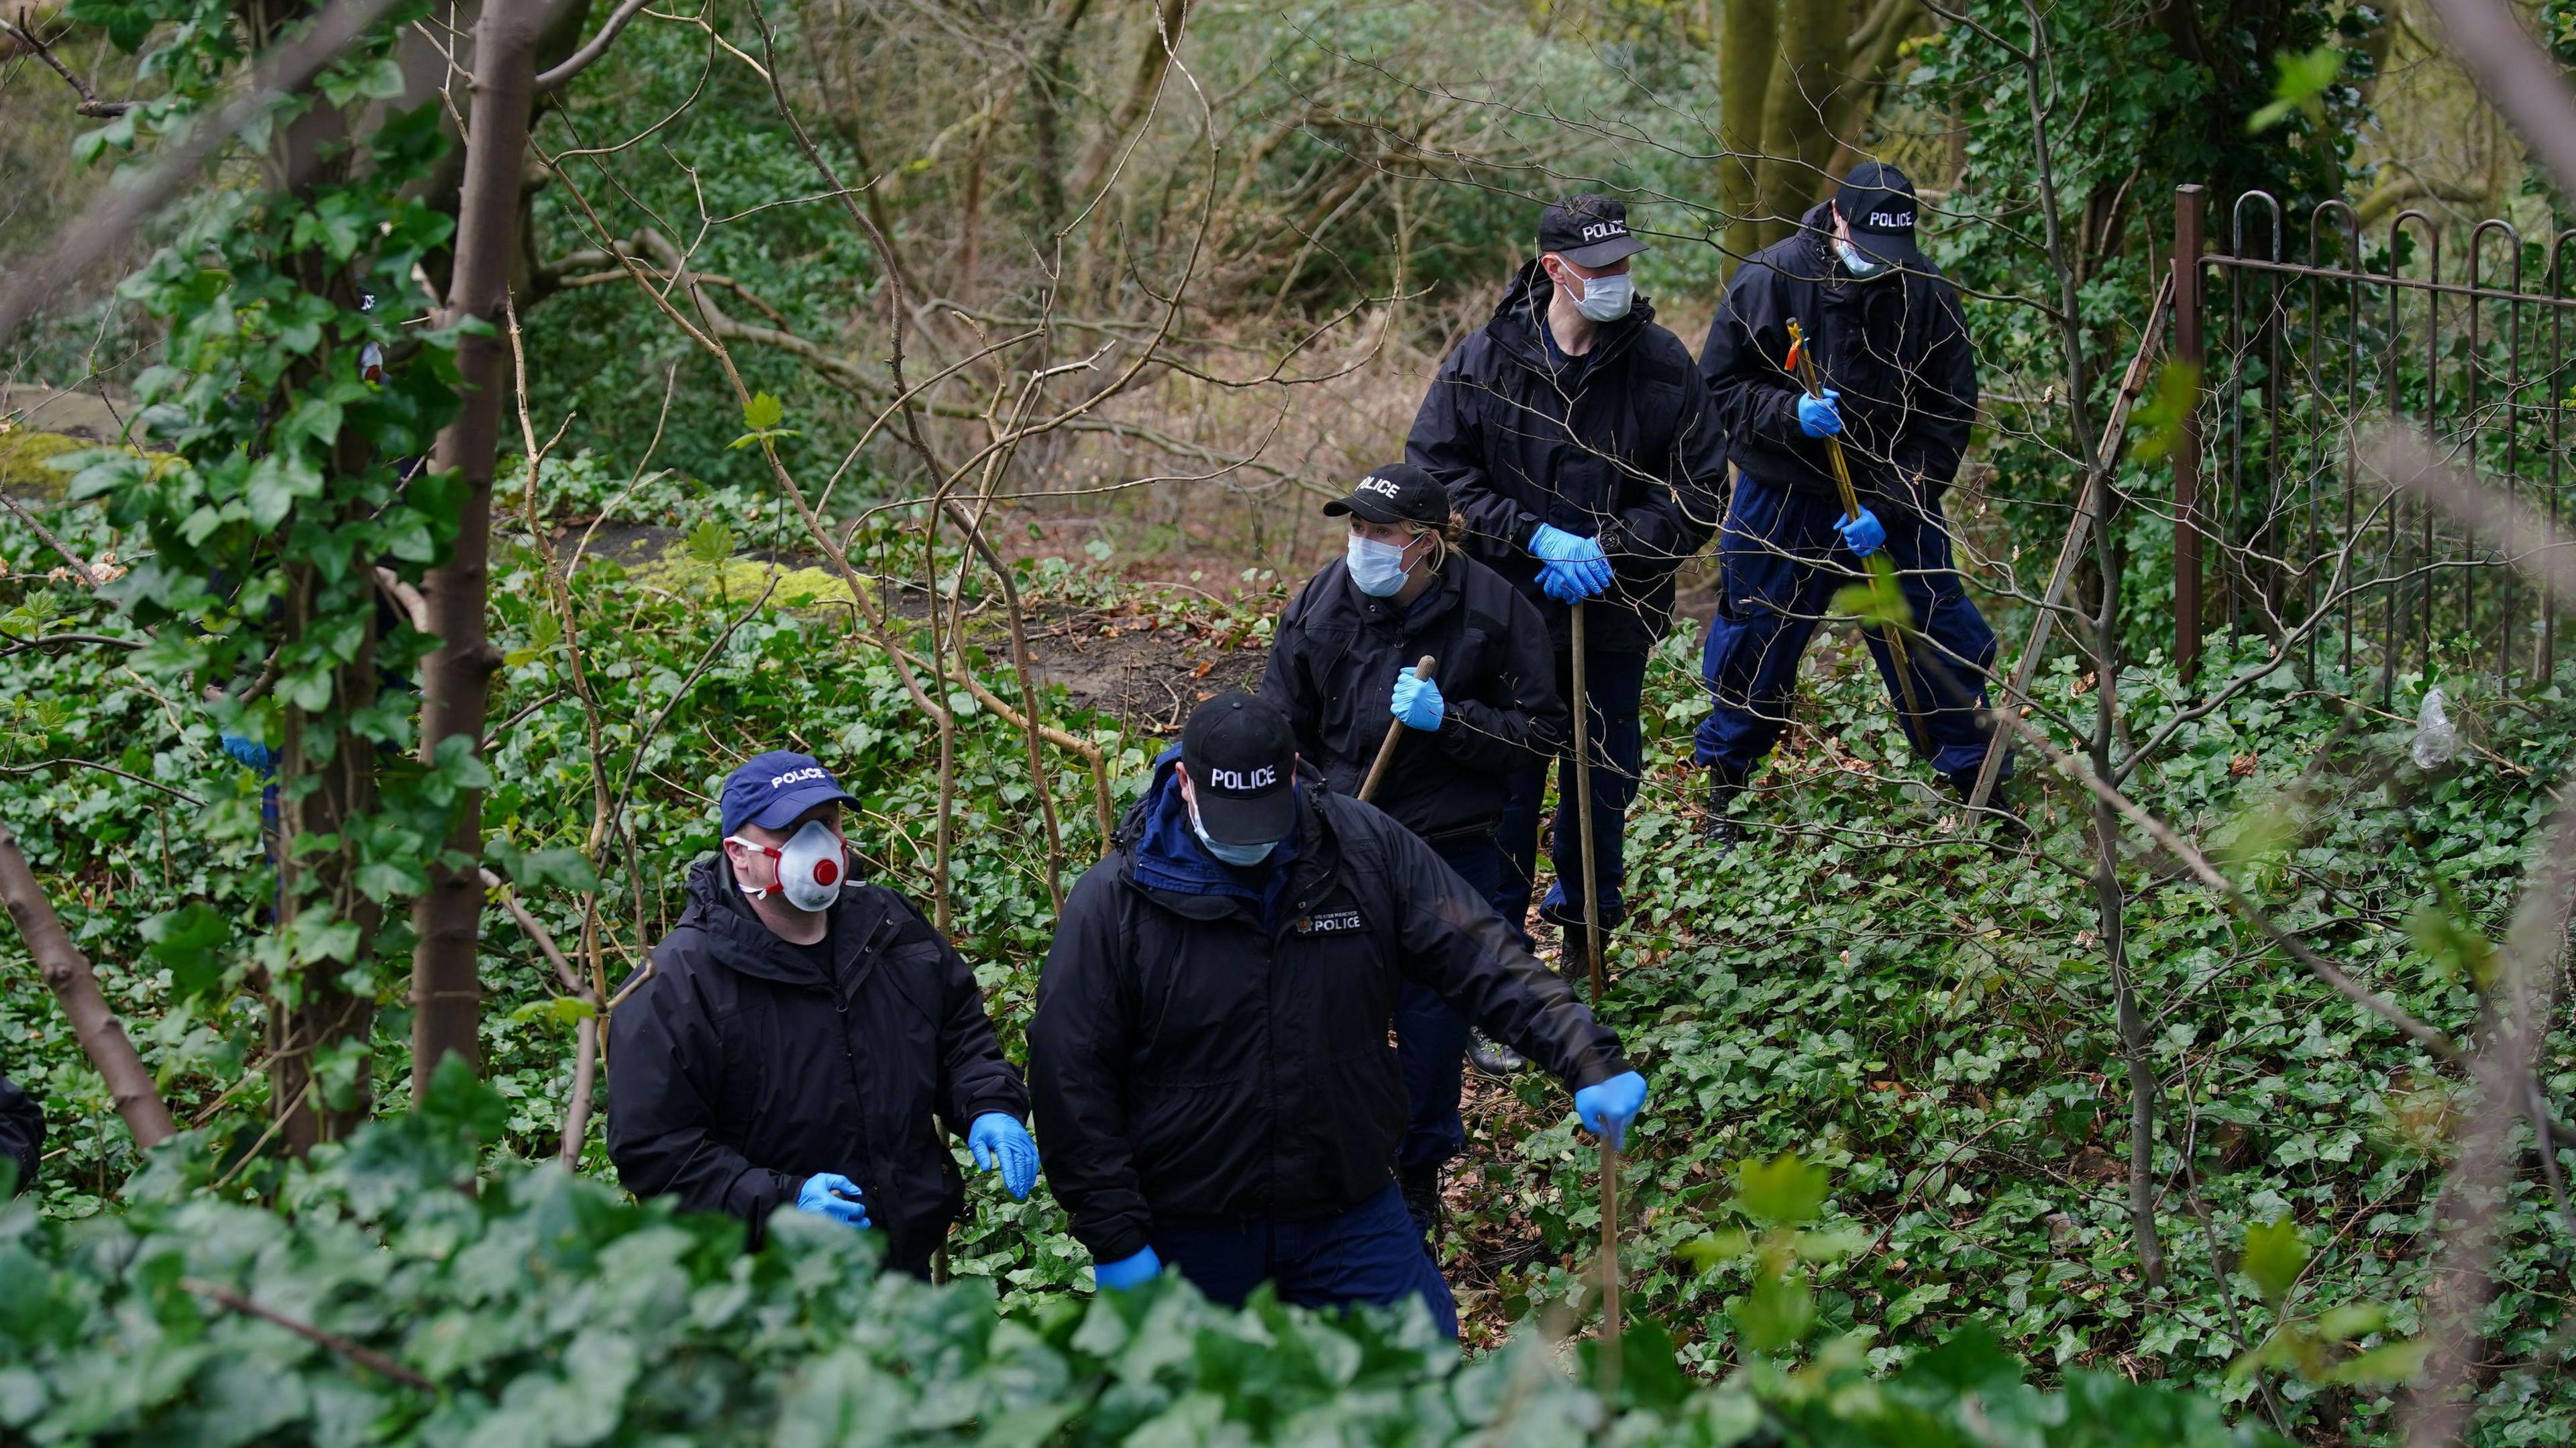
(1813, 36)
(1152, 60)
(67, 973)
(446, 993)
(2112, 901)
(326, 779)
(326, 775)
(1744, 59)
(1050, 83)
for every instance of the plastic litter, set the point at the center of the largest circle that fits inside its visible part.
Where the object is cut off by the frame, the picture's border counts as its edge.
(2437, 742)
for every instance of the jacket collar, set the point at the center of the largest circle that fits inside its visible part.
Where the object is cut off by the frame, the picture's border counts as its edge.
(738, 939)
(1523, 311)
(1446, 589)
(1164, 863)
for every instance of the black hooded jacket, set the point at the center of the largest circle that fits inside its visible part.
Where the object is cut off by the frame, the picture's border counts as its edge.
(741, 1069)
(1333, 667)
(1618, 444)
(1895, 347)
(1208, 1051)
(22, 1131)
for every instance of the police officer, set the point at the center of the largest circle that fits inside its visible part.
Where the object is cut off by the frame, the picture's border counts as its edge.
(1899, 386)
(1573, 437)
(1209, 1052)
(1341, 667)
(799, 1032)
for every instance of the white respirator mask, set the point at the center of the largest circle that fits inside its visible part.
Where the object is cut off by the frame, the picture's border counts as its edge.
(1377, 569)
(811, 866)
(1859, 263)
(1607, 299)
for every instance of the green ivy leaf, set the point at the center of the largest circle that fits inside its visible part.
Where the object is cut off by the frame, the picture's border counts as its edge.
(189, 941)
(2168, 406)
(1776, 1314)
(2388, 1364)
(1783, 1191)
(711, 542)
(127, 24)
(2274, 1257)
(2303, 78)
(2455, 949)
(562, 1012)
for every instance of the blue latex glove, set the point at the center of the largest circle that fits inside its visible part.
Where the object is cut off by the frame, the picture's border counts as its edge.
(250, 752)
(1563, 582)
(834, 1196)
(1607, 1108)
(1581, 569)
(1417, 702)
(1863, 535)
(1127, 1272)
(1819, 416)
(998, 1137)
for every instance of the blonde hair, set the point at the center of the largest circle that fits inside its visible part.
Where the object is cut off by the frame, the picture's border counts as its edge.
(1452, 534)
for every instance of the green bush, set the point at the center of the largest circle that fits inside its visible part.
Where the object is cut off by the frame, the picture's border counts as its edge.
(430, 1304)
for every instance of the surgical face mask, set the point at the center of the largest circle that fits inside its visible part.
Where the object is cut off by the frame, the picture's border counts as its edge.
(810, 866)
(1859, 263)
(1377, 569)
(1607, 299)
(1239, 856)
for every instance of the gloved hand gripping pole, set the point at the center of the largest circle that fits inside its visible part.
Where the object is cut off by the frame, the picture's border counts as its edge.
(1802, 363)
(1394, 732)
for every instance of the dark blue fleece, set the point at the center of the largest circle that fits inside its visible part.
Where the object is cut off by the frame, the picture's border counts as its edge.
(1168, 855)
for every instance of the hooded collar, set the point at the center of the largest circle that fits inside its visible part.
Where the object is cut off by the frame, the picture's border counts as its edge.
(738, 938)
(1166, 861)
(1520, 320)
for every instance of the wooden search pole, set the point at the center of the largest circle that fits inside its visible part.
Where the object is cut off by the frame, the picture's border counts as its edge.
(1394, 732)
(1804, 361)
(1608, 1346)
(1583, 811)
(1613, 1325)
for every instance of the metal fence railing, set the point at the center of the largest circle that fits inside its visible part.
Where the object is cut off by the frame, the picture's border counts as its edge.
(2282, 524)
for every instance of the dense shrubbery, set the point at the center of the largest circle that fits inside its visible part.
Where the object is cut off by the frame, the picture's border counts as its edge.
(1919, 1016)
(433, 1305)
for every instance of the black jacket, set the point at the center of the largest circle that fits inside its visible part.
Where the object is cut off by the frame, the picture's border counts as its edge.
(22, 1131)
(1895, 347)
(739, 1070)
(1621, 447)
(1198, 1056)
(1333, 667)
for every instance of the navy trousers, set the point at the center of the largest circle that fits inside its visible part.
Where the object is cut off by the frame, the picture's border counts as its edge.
(1430, 1039)
(1616, 683)
(1780, 563)
(1370, 1253)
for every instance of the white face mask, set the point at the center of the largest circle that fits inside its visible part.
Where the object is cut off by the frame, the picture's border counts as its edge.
(1239, 856)
(1377, 569)
(1859, 263)
(811, 866)
(1607, 299)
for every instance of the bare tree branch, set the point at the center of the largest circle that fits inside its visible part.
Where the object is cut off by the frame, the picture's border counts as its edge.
(67, 972)
(558, 77)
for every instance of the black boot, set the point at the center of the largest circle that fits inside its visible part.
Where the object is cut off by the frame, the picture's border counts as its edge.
(1725, 785)
(1421, 1188)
